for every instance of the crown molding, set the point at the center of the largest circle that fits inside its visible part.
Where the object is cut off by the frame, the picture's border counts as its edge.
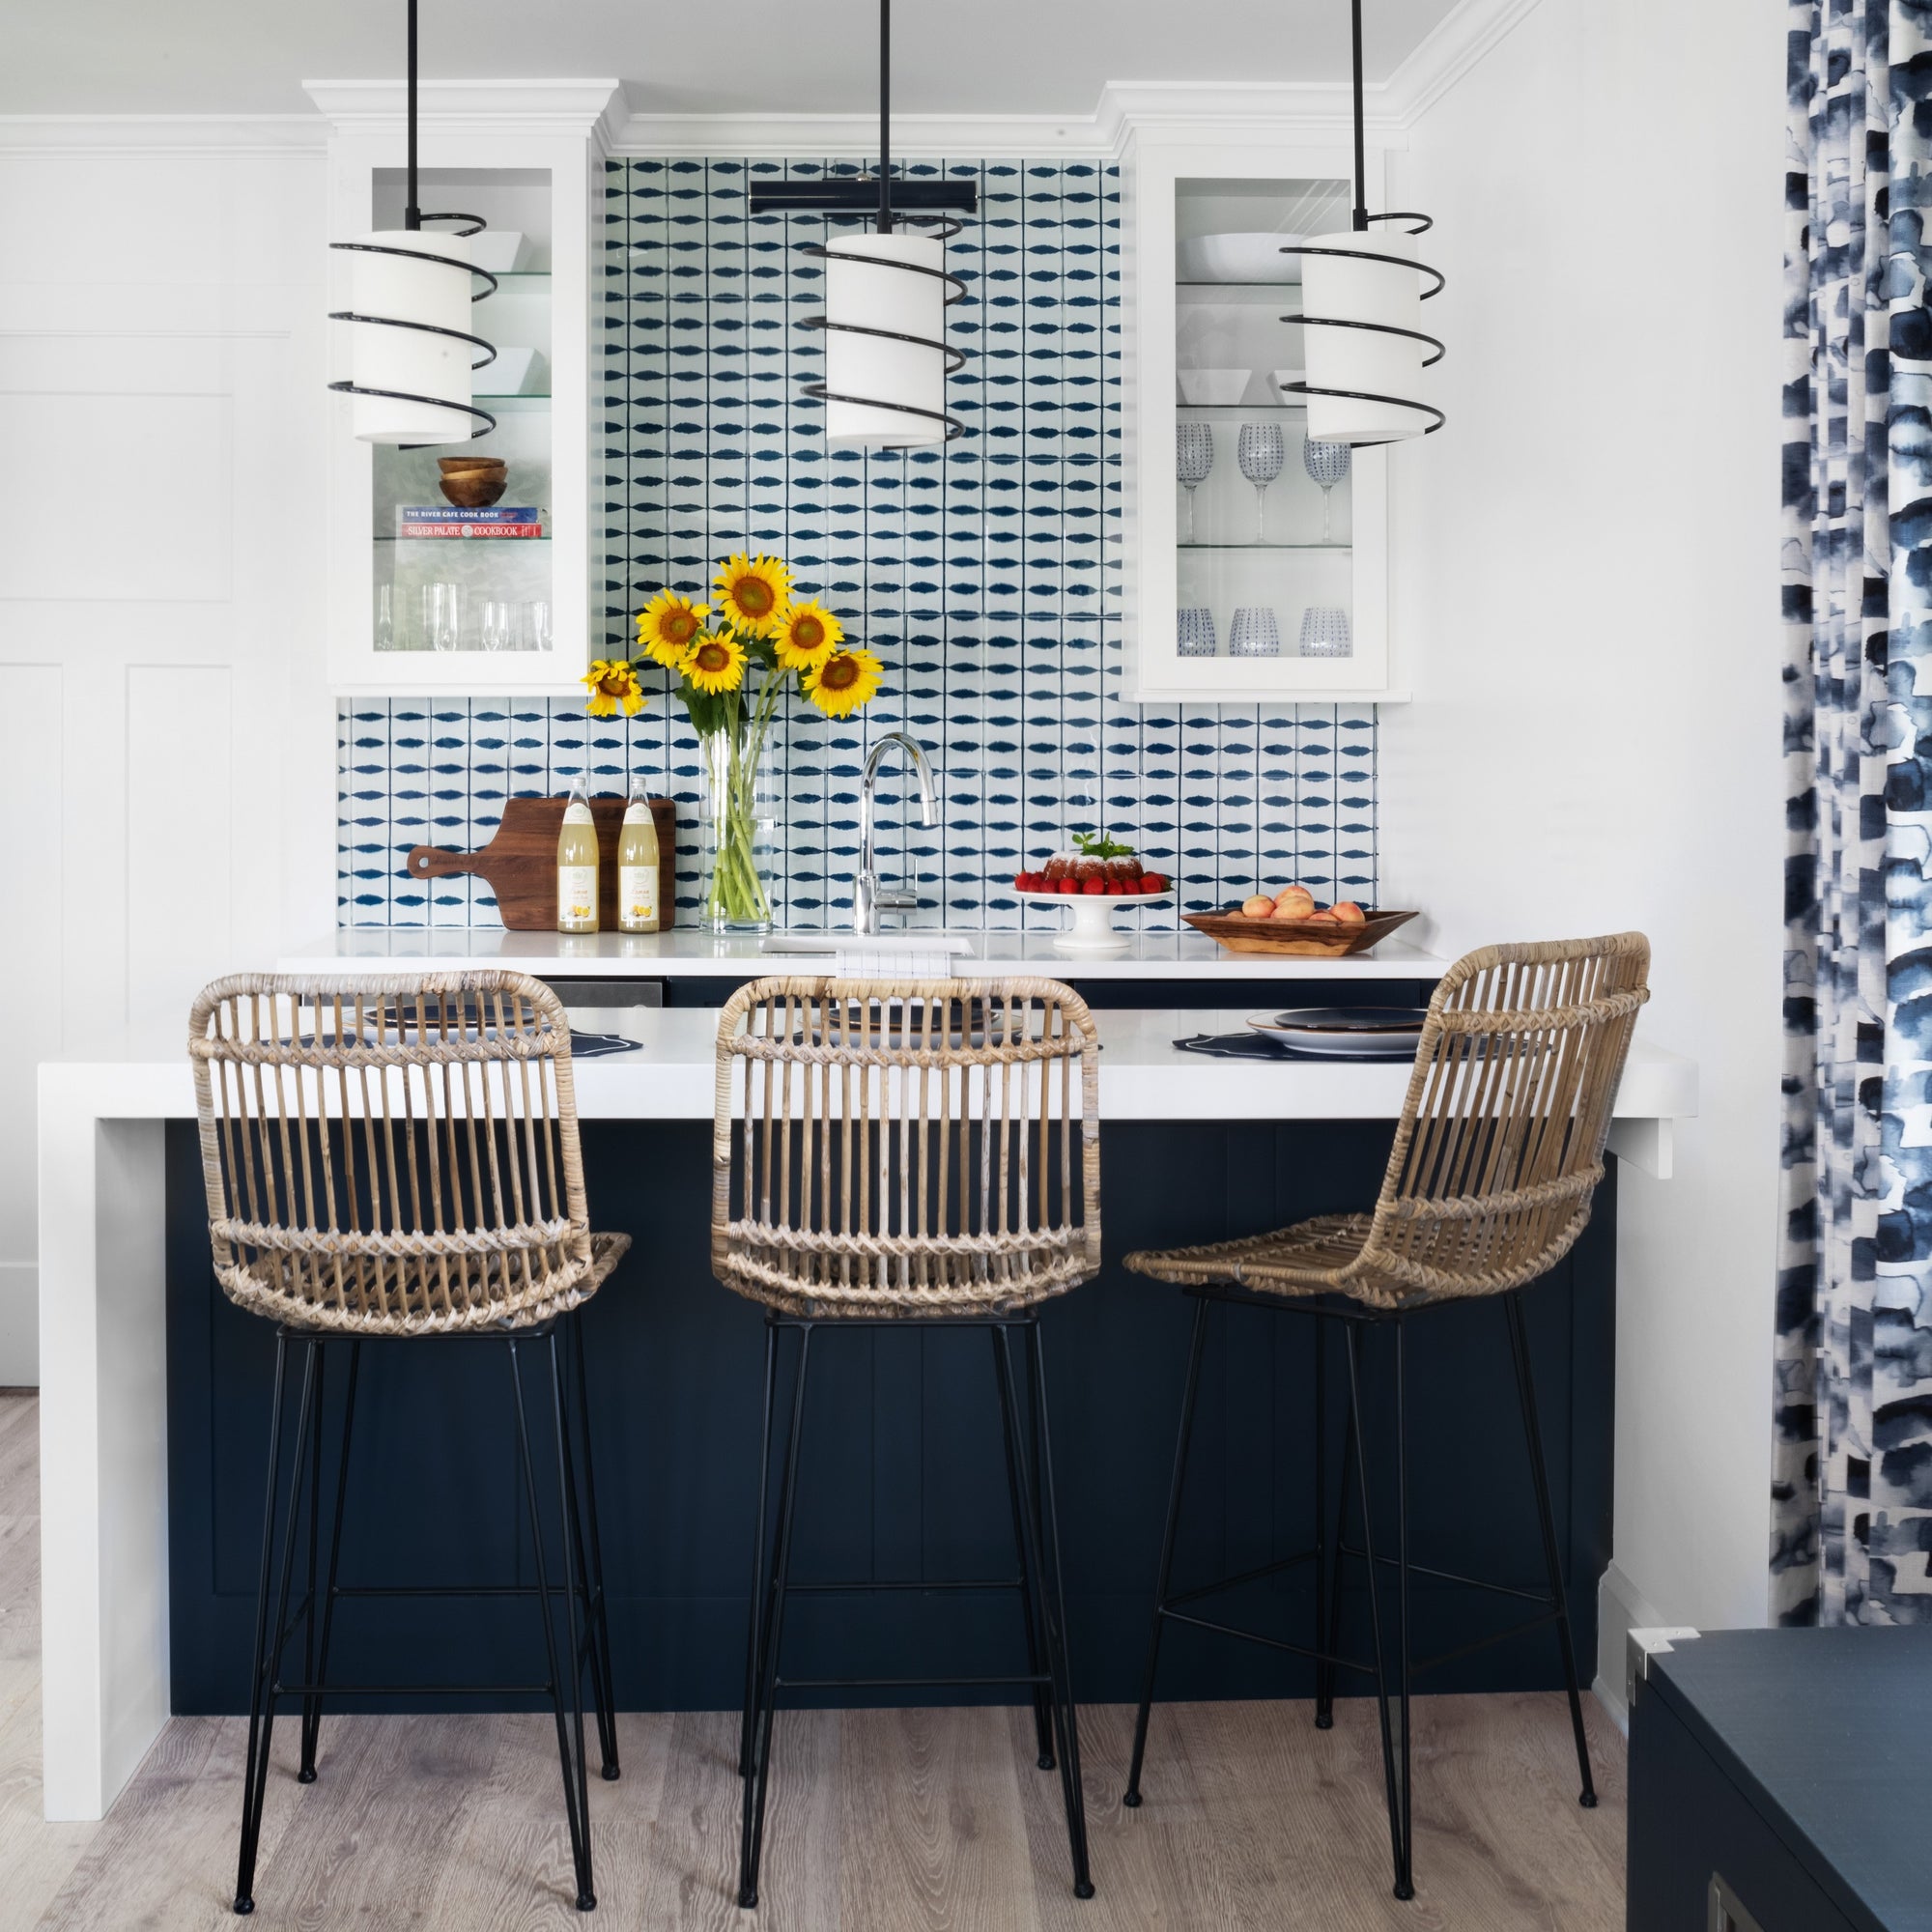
(1455, 43)
(783, 137)
(1316, 111)
(83, 134)
(567, 107)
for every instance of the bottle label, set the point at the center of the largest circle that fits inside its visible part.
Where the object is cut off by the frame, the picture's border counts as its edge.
(577, 898)
(638, 897)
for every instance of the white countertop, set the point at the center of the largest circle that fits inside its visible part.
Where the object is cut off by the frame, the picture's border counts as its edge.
(1144, 1076)
(689, 952)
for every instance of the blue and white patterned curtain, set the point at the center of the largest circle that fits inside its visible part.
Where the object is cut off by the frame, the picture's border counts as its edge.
(1853, 1479)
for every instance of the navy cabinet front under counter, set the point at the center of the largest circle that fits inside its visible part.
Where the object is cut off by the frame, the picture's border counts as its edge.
(1780, 1780)
(900, 1432)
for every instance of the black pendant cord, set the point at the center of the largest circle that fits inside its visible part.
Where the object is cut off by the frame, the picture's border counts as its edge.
(1361, 216)
(885, 117)
(413, 213)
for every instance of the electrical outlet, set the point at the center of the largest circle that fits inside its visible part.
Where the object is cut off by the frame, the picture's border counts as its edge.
(1644, 1644)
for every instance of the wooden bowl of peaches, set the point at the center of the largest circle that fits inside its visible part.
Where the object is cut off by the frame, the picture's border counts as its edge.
(1291, 922)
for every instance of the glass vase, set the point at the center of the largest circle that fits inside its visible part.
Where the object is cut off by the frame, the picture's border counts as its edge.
(740, 816)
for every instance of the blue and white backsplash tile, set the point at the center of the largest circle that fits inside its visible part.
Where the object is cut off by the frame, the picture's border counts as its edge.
(986, 575)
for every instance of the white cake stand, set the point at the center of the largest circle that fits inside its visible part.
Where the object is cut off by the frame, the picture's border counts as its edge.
(1090, 930)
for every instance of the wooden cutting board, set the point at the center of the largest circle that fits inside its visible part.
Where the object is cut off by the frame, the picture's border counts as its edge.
(519, 863)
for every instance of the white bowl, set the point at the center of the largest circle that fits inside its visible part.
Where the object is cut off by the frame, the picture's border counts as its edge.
(1213, 389)
(1240, 257)
(500, 251)
(1283, 378)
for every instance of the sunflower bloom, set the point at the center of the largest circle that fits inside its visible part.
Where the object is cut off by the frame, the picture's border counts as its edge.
(667, 627)
(807, 634)
(844, 681)
(715, 663)
(752, 592)
(612, 684)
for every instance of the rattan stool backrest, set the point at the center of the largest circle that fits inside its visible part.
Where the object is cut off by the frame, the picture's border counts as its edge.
(1500, 1144)
(390, 1155)
(905, 1147)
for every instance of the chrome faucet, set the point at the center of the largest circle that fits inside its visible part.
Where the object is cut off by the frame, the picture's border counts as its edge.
(868, 898)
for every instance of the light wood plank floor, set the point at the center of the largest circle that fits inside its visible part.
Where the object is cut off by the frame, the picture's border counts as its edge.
(886, 1819)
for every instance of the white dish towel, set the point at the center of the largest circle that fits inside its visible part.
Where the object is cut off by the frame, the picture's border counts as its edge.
(893, 962)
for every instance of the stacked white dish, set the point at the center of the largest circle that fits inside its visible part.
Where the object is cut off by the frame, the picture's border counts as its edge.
(1346, 1033)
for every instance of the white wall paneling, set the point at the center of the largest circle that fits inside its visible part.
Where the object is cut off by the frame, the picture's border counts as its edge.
(163, 719)
(1586, 577)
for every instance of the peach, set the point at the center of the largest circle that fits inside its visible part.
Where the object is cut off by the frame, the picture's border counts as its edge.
(1322, 918)
(1348, 912)
(1287, 908)
(1295, 892)
(1261, 906)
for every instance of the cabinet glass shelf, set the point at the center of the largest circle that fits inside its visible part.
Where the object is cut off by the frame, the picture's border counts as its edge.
(1240, 409)
(496, 405)
(462, 543)
(1337, 548)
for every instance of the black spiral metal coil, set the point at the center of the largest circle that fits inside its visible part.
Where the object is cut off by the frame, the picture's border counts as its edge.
(955, 358)
(1304, 388)
(485, 420)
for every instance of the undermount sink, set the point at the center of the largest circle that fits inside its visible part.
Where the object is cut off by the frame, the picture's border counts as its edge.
(898, 941)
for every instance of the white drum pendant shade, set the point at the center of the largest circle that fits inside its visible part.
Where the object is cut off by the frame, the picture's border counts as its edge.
(864, 290)
(411, 287)
(1337, 288)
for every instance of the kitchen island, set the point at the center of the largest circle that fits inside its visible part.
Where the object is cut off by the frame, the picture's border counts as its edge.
(156, 1389)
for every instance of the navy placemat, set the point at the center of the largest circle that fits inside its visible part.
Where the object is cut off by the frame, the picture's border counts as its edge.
(1263, 1046)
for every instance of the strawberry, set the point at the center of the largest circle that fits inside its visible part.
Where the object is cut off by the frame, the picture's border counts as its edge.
(1154, 882)
(1095, 888)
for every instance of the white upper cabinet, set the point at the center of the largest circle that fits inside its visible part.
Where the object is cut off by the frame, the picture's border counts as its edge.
(1256, 564)
(419, 604)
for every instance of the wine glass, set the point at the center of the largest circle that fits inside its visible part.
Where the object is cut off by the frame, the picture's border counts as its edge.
(1193, 459)
(496, 628)
(386, 617)
(1196, 638)
(1326, 463)
(443, 616)
(1261, 453)
(1254, 633)
(1325, 631)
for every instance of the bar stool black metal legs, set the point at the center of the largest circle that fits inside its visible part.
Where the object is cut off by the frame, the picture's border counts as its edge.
(1393, 1673)
(1028, 1446)
(288, 1520)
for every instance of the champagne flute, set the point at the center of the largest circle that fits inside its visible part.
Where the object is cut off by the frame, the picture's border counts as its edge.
(1260, 452)
(1326, 463)
(1194, 459)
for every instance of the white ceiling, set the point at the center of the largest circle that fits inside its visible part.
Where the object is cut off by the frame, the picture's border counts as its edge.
(769, 56)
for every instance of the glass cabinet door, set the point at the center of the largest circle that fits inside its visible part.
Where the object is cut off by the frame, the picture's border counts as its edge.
(461, 563)
(1256, 566)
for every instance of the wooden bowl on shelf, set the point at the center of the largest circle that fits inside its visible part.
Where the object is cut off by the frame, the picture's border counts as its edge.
(1313, 938)
(473, 482)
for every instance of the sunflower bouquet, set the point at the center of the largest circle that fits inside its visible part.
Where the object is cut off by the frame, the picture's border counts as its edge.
(734, 660)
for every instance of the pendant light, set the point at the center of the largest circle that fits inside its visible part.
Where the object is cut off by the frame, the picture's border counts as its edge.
(886, 294)
(1361, 298)
(410, 298)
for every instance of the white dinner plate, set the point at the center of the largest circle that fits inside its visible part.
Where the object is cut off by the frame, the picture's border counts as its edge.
(1350, 1033)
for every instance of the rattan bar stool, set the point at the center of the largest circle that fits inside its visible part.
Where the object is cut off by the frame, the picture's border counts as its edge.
(398, 1159)
(916, 1152)
(1496, 1158)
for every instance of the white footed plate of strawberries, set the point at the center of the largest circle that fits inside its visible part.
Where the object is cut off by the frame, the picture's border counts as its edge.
(1092, 879)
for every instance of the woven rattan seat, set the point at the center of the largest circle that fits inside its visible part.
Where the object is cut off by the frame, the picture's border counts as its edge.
(1499, 1147)
(1496, 1156)
(887, 1148)
(894, 1150)
(397, 1161)
(448, 1196)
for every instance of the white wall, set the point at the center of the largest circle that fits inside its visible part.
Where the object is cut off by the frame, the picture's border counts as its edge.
(166, 742)
(1587, 583)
